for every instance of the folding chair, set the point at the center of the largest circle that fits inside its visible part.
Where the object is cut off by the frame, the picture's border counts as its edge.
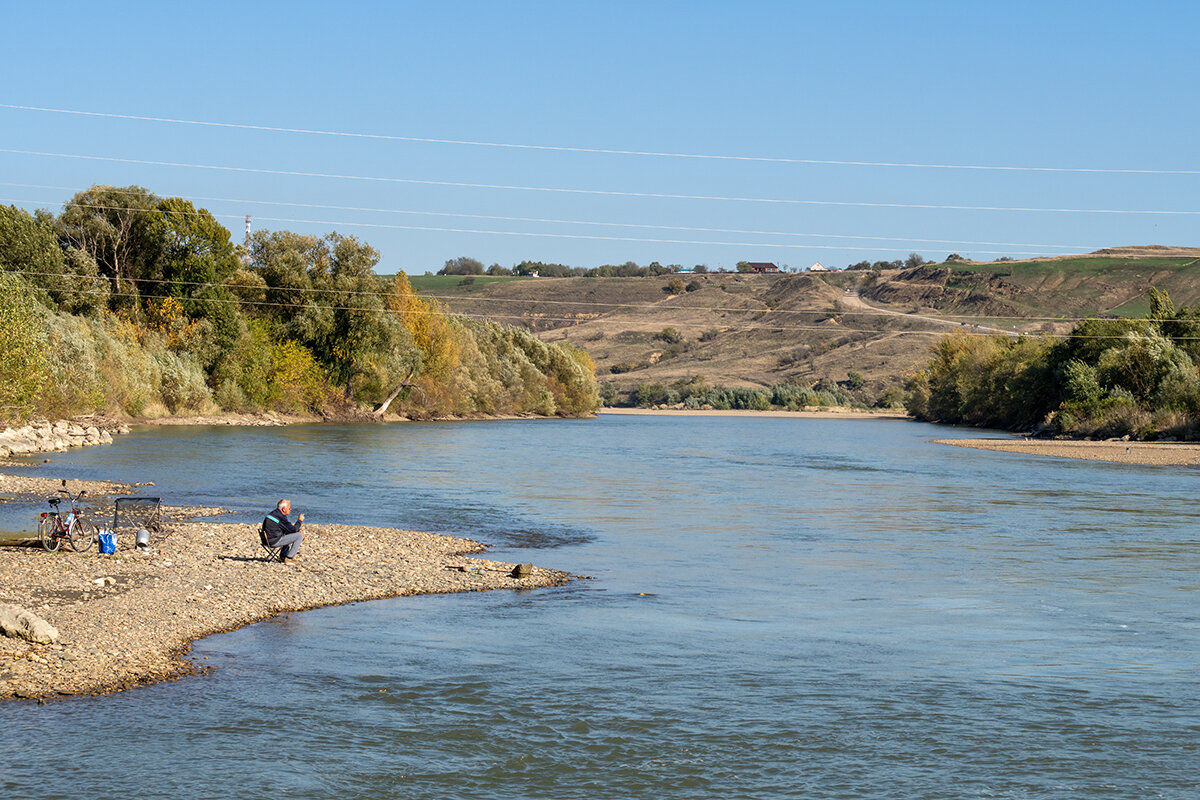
(272, 553)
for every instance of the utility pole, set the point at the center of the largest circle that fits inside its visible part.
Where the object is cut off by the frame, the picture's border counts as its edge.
(246, 256)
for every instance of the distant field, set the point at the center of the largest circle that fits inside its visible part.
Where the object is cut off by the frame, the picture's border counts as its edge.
(1096, 265)
(453, 284)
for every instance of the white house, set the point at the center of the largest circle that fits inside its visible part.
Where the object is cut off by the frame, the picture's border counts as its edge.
(818, 267)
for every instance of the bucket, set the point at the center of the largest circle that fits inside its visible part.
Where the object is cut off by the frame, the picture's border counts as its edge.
(143, 539)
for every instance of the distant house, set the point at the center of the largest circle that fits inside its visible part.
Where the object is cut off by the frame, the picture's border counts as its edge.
(818, 267)
(763, 266)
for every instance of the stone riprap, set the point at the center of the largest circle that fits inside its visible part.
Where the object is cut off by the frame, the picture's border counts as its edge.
(127, 619)
(51, 437)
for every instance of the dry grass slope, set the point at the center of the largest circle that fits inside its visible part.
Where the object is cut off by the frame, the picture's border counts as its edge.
(759, 330)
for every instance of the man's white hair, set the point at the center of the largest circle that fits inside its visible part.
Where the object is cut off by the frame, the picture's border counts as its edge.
(281, 502)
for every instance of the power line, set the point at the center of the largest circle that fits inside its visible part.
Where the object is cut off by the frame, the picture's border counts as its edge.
(599, 150)
(738, 329)
(1073, 248)
(949, 319)
(265, 303)
(528, 234)
(600, 192)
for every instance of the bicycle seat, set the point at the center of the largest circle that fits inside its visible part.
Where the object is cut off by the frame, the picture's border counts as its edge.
(54, 501)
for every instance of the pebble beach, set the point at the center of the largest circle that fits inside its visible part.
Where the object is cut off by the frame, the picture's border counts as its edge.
(128, 619)
(1175, 454)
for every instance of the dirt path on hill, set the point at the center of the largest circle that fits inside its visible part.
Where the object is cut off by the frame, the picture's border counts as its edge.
(853, 299)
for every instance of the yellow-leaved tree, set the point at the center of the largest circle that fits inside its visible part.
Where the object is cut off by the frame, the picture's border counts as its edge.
(427, 358)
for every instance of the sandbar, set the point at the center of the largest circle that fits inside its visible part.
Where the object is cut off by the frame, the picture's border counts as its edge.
(1175, 454)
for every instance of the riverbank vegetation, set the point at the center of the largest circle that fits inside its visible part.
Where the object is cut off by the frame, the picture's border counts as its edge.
(697, 393)
(1108, 378)
(128, 303)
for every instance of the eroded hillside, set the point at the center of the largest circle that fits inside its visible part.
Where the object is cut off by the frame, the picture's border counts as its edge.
(760, 330)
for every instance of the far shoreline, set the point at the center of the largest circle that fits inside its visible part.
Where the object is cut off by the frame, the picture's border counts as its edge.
(269, 419)
(831, 413)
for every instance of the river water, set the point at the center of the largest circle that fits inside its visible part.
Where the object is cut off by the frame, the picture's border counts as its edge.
(777, 608)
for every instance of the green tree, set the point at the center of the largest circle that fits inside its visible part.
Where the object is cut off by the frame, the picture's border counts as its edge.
(195, 258)
(191, 249)
(23, 363)
(29, 244)
(114, 226)
(357, 331)
(462, 266)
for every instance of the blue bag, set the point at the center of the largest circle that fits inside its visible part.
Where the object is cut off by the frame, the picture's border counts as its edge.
(108, 542)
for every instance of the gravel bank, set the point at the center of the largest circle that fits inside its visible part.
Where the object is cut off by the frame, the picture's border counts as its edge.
(128, 619)
(1177, 454)
(27, 487)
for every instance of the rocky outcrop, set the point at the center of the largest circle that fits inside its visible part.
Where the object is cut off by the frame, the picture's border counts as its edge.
(49, 437)
(21, 624)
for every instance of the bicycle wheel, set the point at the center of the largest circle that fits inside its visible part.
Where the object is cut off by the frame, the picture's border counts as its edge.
(47, 533)
(82, 535)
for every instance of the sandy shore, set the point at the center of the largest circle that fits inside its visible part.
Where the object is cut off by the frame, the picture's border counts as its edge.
(1151, 453)
(127, 619)
(833, 413)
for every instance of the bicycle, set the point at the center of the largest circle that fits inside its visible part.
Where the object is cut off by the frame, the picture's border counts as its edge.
(53, 527)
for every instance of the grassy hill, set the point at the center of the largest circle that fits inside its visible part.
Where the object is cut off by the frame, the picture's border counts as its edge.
(1109, 282)
(760, 330)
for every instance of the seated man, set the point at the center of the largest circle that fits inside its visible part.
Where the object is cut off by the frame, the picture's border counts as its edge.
(282, 533)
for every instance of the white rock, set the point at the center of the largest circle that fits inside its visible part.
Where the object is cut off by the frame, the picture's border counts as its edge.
(23, 441)
(21, 624)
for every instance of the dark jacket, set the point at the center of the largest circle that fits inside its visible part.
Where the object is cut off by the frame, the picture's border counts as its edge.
(277, 525)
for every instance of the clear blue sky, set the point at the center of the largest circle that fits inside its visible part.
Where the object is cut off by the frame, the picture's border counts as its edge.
(1087, 84)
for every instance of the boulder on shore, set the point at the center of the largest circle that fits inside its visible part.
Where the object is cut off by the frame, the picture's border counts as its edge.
(19, 623)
